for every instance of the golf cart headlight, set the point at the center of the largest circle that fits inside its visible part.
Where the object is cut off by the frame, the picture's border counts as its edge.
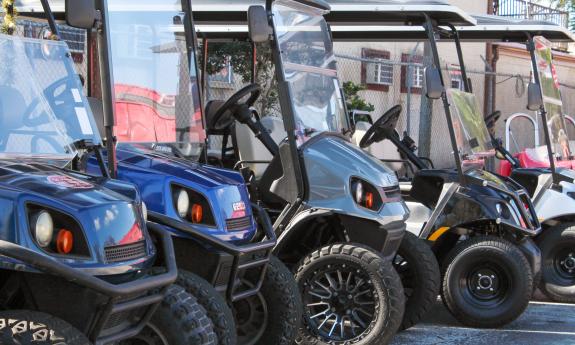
(366, 195)
(182, 203)
(43, 228)
(144, 210)
(499, 209)
(357, 190)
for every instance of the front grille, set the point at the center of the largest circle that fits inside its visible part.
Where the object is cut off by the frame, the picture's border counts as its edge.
(238, 224)
(392, 192)
(126, 252)
(117, 319)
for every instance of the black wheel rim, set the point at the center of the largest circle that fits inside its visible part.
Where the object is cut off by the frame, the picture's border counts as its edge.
(251, 316)
(150, 335)
(486, 284)
(564, 264)
(407, 275)
(340, 302)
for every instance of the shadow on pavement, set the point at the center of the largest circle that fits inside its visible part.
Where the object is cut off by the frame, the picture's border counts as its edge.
(542, 323)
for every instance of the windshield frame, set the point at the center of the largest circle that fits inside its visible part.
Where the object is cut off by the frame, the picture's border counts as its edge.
(196, 92)
(532, 49)
(467, 125)
(327, 72)
(53, 52)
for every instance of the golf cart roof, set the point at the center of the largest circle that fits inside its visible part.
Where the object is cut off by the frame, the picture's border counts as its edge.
(343, 12)
(489, 28)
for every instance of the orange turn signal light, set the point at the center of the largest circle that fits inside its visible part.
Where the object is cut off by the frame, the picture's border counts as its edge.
(64, 241)
(197, 213)
(369, 200)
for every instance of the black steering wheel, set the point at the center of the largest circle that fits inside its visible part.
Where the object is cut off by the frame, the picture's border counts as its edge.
(382, 128)
(222, 119)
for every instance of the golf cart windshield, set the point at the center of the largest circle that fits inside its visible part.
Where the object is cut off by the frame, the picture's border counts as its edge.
(309, 66)
(552, 98)
(155, 76)
(473, 140)
(42, 109)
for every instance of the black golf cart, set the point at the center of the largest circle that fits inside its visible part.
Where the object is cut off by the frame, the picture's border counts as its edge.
(479, 225)
(545, 171)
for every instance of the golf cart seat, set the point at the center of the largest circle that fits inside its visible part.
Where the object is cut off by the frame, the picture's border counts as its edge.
(427, 185)
(251, 148)
(384, 150)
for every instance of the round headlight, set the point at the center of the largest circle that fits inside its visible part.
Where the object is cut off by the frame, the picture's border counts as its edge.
(144, 210)
(358, 192)
(44, 228)
(183, 203)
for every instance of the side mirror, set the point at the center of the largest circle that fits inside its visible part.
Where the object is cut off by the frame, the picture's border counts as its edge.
(534, 97)
(434, 88)
(258, 24)
(81, 14)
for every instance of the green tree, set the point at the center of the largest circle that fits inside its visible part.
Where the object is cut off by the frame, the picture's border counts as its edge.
(354, 100)
(240, 55)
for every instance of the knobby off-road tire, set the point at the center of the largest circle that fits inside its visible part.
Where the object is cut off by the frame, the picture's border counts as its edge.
(274, 315)
(36, 328)
(487, 282)
(215, 305)
(179, 320)
(557, 246)
(340, 280)
(418, 269)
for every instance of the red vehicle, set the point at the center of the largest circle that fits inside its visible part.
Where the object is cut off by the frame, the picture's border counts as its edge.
(137, 108)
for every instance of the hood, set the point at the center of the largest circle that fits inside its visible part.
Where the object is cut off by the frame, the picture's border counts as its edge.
(75, 190)
(108, 220)
(181, 168)
(156, 175)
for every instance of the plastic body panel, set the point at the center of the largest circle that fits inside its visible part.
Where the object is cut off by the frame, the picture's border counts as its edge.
(330, 164)
(106, 217)
(154, 174)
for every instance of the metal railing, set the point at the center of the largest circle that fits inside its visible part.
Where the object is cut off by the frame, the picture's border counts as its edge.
(527, 9)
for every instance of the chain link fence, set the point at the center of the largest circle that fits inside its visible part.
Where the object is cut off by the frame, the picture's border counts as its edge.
(75, 38)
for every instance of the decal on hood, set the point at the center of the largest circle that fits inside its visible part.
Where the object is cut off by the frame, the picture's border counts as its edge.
(69, 182)
(239, 209)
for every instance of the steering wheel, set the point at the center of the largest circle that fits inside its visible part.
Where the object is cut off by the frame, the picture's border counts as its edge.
(55, 100)
(219, 121)
(382, 127)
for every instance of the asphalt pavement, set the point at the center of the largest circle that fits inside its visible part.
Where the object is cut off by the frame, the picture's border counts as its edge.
(543, 323)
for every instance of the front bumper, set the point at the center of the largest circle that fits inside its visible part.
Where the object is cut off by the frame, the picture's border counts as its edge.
(222, 263)
(139, 297)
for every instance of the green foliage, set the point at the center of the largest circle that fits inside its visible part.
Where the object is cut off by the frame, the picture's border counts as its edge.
(354, 100)
(240, 55)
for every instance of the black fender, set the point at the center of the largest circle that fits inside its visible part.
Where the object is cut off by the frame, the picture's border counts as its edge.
(367, 232)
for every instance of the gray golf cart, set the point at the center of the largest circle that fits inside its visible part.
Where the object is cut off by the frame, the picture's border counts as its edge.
(414, 261)
(338, 214)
